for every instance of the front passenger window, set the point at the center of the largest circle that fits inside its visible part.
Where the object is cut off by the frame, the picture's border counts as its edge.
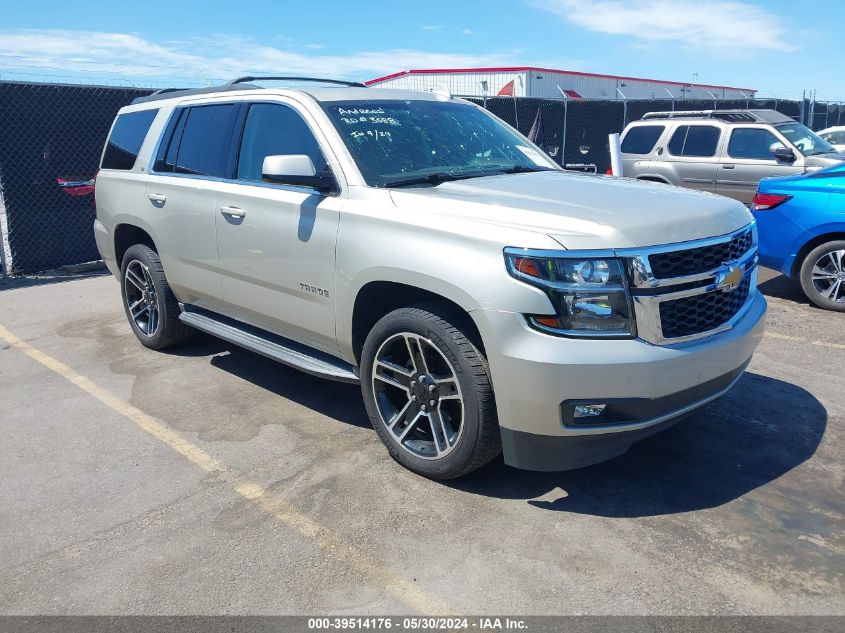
(271, 129)
(754, 143)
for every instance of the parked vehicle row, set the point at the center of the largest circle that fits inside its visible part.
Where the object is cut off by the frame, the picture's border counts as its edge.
(484, 299)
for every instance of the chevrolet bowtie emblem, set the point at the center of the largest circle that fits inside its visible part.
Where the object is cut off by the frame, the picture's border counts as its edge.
(728, 278)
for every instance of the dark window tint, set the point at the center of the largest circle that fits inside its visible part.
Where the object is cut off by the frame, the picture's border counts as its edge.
(752, 143)
(641, 139)
(273, 129)
(206, 138)
(126, 139)
(694, 140)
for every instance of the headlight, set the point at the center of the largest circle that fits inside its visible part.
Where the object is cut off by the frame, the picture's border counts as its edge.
(590, 294)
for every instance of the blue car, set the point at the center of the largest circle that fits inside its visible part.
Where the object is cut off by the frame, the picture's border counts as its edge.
(801, 221)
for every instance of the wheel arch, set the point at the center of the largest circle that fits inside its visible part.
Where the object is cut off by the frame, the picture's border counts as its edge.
(126, 235)
(652, 178)
(377, 298)
(818, 240)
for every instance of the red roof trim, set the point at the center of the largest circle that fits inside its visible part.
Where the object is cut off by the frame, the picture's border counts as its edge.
(513, 69)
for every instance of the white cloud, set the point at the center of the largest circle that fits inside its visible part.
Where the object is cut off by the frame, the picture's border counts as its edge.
(431, 27)
(314, 47)
(696, 24)
(466, 31)
(195, 60)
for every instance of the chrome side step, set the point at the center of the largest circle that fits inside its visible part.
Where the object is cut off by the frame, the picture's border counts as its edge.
(275, 347)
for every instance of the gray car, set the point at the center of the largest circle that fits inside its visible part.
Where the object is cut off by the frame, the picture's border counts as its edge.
(722, 151)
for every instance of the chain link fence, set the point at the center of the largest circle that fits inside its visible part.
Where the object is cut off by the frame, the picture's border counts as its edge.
(51, 137)
(575, 133)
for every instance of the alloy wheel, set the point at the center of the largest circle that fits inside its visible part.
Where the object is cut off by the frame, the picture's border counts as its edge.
(418, 396)
(141, 299)
(829, 276)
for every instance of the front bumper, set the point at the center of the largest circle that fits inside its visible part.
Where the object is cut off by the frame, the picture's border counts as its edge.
(534, 374)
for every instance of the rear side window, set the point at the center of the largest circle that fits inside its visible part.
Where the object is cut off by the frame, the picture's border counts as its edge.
(641, 139)
(753, 143)
(205, 140)
(126, 138)
(272, 129)
(694, 140)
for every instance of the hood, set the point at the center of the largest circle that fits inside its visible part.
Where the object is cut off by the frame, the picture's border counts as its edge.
(824, 160)
(815, 180)
(582, 211)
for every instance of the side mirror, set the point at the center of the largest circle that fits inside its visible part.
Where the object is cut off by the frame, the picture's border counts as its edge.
(785, 154)
(295, 169)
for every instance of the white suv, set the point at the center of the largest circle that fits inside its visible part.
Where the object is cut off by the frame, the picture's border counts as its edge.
(483, 298)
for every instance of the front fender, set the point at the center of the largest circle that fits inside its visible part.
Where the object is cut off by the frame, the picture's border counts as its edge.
(464, 265)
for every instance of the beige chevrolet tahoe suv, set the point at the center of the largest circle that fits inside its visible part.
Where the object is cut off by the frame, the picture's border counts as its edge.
(722, 151)
(485, 300)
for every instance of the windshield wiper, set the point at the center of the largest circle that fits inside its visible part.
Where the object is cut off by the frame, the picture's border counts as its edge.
(441, 177)
(523, 169)
(434, 179)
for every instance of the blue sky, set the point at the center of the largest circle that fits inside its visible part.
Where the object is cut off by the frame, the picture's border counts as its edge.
(778, 47)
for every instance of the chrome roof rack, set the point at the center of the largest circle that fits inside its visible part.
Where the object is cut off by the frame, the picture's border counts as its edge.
(731, 116)
(241, 83)
(338, 82)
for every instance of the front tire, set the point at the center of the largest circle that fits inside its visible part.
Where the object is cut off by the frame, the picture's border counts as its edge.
(426, 387)
(150, 306)
(823, 276)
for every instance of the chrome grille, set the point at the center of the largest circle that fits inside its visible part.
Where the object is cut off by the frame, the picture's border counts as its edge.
(702, 313)
(699, 260)
(683, 292)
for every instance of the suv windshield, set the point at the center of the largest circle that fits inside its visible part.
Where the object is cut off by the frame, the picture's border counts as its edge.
(398, 143)
(808, 142)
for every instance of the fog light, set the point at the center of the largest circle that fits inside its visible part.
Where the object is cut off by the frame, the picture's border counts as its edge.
(589, 410)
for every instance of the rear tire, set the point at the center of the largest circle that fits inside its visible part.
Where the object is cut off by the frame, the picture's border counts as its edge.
(443, 426)
(823, 276)
(152, 310)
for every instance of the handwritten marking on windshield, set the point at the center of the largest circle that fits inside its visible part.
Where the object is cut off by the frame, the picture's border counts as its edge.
(376, 134)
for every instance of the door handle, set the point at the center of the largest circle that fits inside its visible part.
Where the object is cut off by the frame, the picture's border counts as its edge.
(158, 198)
(727, 166)
(232, 212)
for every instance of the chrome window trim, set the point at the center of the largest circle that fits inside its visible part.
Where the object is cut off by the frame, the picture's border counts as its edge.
(251, 183)
(341, 183)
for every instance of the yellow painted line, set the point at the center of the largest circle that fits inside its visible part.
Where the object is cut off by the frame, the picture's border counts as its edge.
(798, 339)
(404, 590)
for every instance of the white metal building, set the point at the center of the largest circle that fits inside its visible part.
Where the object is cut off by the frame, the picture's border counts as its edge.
(547, 83)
